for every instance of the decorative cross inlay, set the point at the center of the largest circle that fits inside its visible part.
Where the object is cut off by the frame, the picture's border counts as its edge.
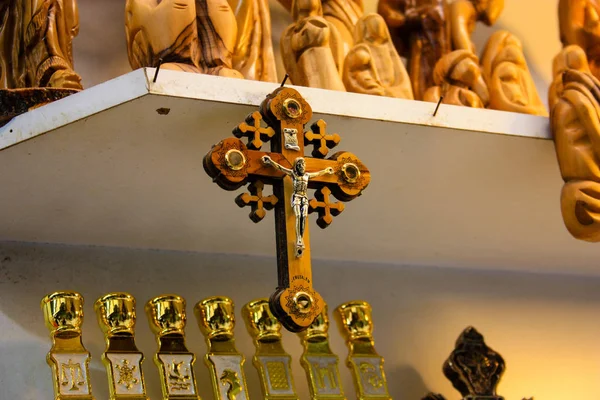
(253, 130)
(320, 139)
(257, 201)
(324, 207)
(232, 164)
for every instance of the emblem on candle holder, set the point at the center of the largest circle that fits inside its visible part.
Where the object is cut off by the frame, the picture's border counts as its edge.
(166, 315)
(473, 368)
(271, 361)
(285, 113)
(69, 360)
(366, 365)
(319, 362)
(216, 320)
(116, 317)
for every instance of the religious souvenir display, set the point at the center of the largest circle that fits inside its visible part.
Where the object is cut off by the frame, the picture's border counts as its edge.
(575, 123)
(509, 81)
(473, 368)
(216, 319)
(116, 317)
(464, 15)
(188, 35)
(579, 23)
(271, 361)
(232, 164)
(166, 315)
(421, 33)
(253, 55)
(459, 81)
(312, 48)
(69, 360)
(366, 365)
(36, 54)
(319, 362)
(373, 66)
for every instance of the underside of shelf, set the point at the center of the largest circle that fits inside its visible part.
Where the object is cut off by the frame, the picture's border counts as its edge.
(120, 164)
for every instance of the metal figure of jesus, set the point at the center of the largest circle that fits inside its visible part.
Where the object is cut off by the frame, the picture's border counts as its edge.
(300, 196)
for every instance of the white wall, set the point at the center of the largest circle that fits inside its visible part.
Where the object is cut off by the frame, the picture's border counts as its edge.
(101, 53)
(546, 327)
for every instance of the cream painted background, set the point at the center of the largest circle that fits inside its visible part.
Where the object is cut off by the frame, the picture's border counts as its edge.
(101, 53)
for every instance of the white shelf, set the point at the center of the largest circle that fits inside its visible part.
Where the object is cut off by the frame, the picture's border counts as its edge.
(468, 188)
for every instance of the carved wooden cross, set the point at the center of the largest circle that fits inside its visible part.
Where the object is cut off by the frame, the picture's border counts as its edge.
(232, 164)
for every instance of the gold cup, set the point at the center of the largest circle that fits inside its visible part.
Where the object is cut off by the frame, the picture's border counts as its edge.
(122, 359)
(166, 315)
(116, 314)
(216, 319)
(260, 322)
(319, 362)
(271, 361)
(68, 359)
(366, 365)
(355, 321)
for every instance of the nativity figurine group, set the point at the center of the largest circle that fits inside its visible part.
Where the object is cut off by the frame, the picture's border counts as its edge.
(330, 44)
(333, 44)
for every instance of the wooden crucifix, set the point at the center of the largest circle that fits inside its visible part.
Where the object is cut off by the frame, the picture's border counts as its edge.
(232, 164)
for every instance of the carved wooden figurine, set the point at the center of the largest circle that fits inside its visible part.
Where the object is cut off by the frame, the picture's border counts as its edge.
(464, 14)
(575, 122)
(508, 78)
(373, 66)
(579, 22)
(572, 57)
(253, 55)
(343, 14)
(458, 79)
(421, 33)
(311, 48)
(192, 36)
(36, 55)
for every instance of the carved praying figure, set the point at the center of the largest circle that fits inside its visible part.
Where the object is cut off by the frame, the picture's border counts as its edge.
(373, 66)
(299, 197)
(508, 78)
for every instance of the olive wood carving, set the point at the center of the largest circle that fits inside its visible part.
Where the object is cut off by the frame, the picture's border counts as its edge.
(343, 14)
(253, 55)
(464, 15)
(373, 66)
(458, 79)
(572, 57)
(36, 54)
(575, 123)
(579, 23)
(421, 33)
(36, 44)
(192, 36)
(508, 78)
(312, 49)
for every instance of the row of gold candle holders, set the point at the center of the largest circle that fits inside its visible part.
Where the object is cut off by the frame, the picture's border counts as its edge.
(69, 360)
